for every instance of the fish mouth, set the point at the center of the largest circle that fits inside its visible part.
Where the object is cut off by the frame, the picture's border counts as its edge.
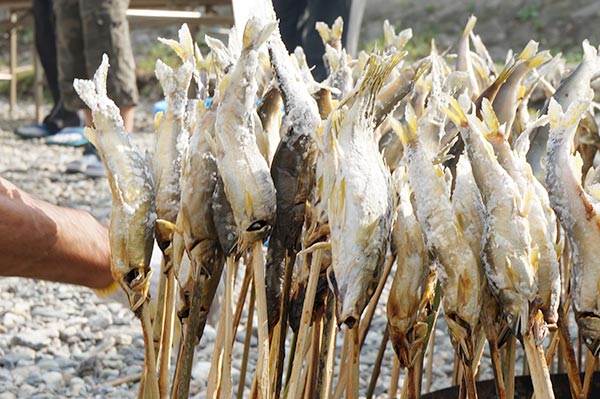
(257, 226)
(589, 326)
(136, 284)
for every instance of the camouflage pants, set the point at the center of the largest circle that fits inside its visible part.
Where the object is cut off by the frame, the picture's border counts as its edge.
(86, 29)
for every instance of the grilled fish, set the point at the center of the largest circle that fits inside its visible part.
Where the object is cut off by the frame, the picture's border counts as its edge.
(133, 211)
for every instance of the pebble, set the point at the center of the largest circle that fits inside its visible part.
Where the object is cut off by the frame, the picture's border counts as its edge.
(32, 339)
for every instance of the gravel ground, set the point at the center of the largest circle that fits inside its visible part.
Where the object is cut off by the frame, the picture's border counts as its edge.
(63, 341)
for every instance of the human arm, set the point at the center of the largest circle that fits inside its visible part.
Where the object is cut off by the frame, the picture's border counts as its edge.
(44, 241)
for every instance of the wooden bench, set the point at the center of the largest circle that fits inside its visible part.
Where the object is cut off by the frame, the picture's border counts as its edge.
(16, 14)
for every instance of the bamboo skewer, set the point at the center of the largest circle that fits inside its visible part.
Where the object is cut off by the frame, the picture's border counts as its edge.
(183, 369)
(353, 364)
(378, 360)
(327, 357)
(247, 339)
(393, 393)
(307, 310)
(590, 367)
(149, 378)
(262, 366)
(166, 343)
(540, 376)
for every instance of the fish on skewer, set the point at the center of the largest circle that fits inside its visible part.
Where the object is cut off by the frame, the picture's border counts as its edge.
(291, 170)
(459, 275)
(577, 210)
(171, 133)
(360, 208)
(508, 257)
(133, 212)
(571, 88)
(541, 218)
(245, 172)
(413, 288)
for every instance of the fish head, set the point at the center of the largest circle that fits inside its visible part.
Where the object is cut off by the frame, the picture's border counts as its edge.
(589, 328)
(515, 315)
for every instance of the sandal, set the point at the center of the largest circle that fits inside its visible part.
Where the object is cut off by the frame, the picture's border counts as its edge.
(69, 136)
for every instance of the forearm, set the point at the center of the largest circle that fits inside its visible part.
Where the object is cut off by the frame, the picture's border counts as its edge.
(43, 241)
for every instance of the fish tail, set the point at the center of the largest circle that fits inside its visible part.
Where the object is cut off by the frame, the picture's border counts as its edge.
(174, 84)
(560, 119)
(470, 25)
(256, 33)
(331, 35)
(184, 48)
(455, 113)
(531, 56)
(590, 52)
(93, 92)
(391, 39)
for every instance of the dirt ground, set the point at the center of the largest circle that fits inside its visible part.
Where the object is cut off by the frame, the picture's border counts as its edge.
(558, 25)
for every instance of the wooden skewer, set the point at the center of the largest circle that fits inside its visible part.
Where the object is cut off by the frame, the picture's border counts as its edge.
(353, 364)
(590, 366)
(508, 366)
(327, 357)
(378, 360)
(307, 309)
(242, 383)
(166, 343)
(226, 383)
(150, 379)
(395, 376)
(540, 377)
(262, 366)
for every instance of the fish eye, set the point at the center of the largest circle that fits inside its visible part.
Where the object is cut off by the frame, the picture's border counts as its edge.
(589, 341)
(510, 318)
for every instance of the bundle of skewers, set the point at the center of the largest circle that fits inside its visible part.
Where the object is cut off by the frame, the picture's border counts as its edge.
(434, 178)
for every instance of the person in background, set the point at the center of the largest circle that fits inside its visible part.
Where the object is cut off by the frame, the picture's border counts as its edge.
(297, 19)
(85, 30)
(59, 121)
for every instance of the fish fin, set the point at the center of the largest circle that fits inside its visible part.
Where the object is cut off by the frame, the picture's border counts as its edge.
(455, 113)
(470, 25)
(370, 231)
(169, 226)
(91, 134)
(184, 219)
(406, 134)
(534, 256)
(378, 69)
(589, 52)
(249, 202)
(526, 203)
(256, 33)
(158, 118)
(529, 51)
(560, 119)
(220, 53)
(184, 48)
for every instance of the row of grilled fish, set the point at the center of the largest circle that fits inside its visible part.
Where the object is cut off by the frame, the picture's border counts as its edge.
(438, 164)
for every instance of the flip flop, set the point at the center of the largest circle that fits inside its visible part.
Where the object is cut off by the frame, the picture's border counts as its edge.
(69, 136)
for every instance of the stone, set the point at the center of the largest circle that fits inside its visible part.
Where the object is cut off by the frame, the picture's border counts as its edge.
(100, 322)
(35, 340)
(53, 379)
(200, 370)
